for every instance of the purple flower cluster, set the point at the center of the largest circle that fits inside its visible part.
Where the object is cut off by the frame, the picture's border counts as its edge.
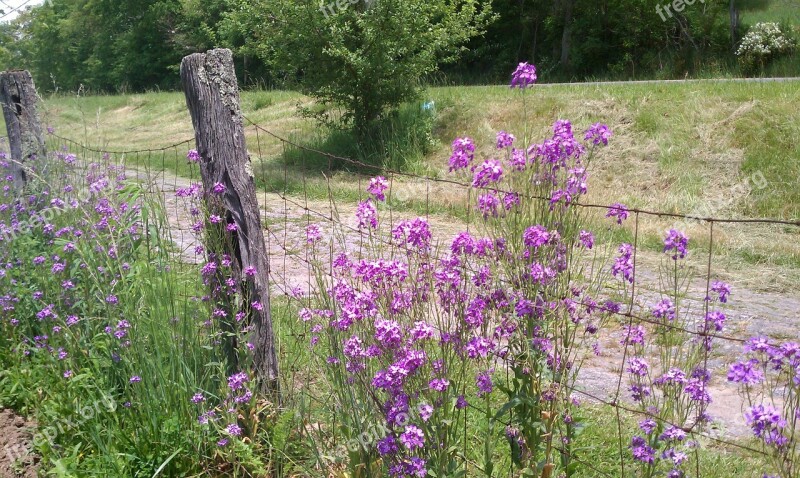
(523, 76)
(767, 424)
(367, 215)
(678, 242)
(598, 133)
(489, 172)
(415, 234)
(463, 154)
(623, 265)
(505, 140)
(618, 211)
(377, 188)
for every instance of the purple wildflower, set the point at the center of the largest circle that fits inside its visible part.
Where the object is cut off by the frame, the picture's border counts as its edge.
(313, 234)
(463, 154)
(219, 188)
(377, 186)
(673, 433)
(619, 211)
(387, 446)
(237, 381)
(412, 438)
(505, 140)
(664, 309)
(388, 333)
(722, 289)
(642, 451)
(648, 425)
(587, 239)
(193, 156)
(676, 241)
(624, 263)
(745, 372)
(490, 171)
(489, 205)
(766, 423)
(367, 215)
(484, 383)
(524, 75)
(535, 237)
(638, 366)
(632, 335)
(598, 133)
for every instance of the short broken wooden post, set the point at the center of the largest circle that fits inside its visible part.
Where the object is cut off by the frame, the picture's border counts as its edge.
(25, 138)
(212, 95)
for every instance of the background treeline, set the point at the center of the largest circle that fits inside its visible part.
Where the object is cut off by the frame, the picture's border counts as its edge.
(111, 45)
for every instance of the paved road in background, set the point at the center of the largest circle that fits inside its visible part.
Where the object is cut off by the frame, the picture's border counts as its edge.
(666, 82)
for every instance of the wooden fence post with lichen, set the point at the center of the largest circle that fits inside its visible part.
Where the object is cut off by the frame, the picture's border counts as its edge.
(212, 95)
(25, 138)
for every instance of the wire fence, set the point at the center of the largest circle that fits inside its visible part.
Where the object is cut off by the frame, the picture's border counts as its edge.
(295, 196)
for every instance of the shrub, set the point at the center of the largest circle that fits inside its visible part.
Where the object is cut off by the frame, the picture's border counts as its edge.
(365, 57)
(762, 44)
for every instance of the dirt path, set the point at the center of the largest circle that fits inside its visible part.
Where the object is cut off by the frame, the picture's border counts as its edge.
(15, 445)
(750, 312)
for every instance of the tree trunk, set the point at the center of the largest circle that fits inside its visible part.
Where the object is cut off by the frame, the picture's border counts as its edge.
(566, 36)
(212, 95)
(25, 138)
(734, 14)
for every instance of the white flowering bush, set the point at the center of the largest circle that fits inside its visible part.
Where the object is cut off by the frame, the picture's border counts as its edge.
(763, 43)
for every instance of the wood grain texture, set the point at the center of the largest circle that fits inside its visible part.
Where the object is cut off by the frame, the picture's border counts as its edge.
(26, 141)
(212, 95)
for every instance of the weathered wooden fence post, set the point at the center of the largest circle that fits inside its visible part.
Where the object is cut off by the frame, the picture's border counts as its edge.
(212, 96)
(25, 138)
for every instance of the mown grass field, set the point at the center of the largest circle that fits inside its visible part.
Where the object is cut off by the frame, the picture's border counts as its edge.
(681, 144)
(710, 149)
(780, 11)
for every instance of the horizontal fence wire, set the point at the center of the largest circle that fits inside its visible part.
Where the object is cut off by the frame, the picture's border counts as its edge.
(291, 265)
(385, 170)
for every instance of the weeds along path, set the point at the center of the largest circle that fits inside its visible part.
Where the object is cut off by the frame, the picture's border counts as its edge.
(285, 219)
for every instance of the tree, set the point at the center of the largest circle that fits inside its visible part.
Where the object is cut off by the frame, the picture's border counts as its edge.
(366, 57)
(9, 57)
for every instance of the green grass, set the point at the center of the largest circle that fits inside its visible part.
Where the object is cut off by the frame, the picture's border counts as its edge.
(779, 11)
(705, 148)
(599, 446)
(684, 134)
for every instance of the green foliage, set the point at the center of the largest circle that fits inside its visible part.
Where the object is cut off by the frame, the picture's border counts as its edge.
(762, 44)
(106, 347)
(400, 142)
(577, 39)
(366, 58)
(8, 53)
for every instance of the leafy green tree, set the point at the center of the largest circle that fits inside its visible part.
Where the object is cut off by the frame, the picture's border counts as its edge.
(9, 56)
(365, 56)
